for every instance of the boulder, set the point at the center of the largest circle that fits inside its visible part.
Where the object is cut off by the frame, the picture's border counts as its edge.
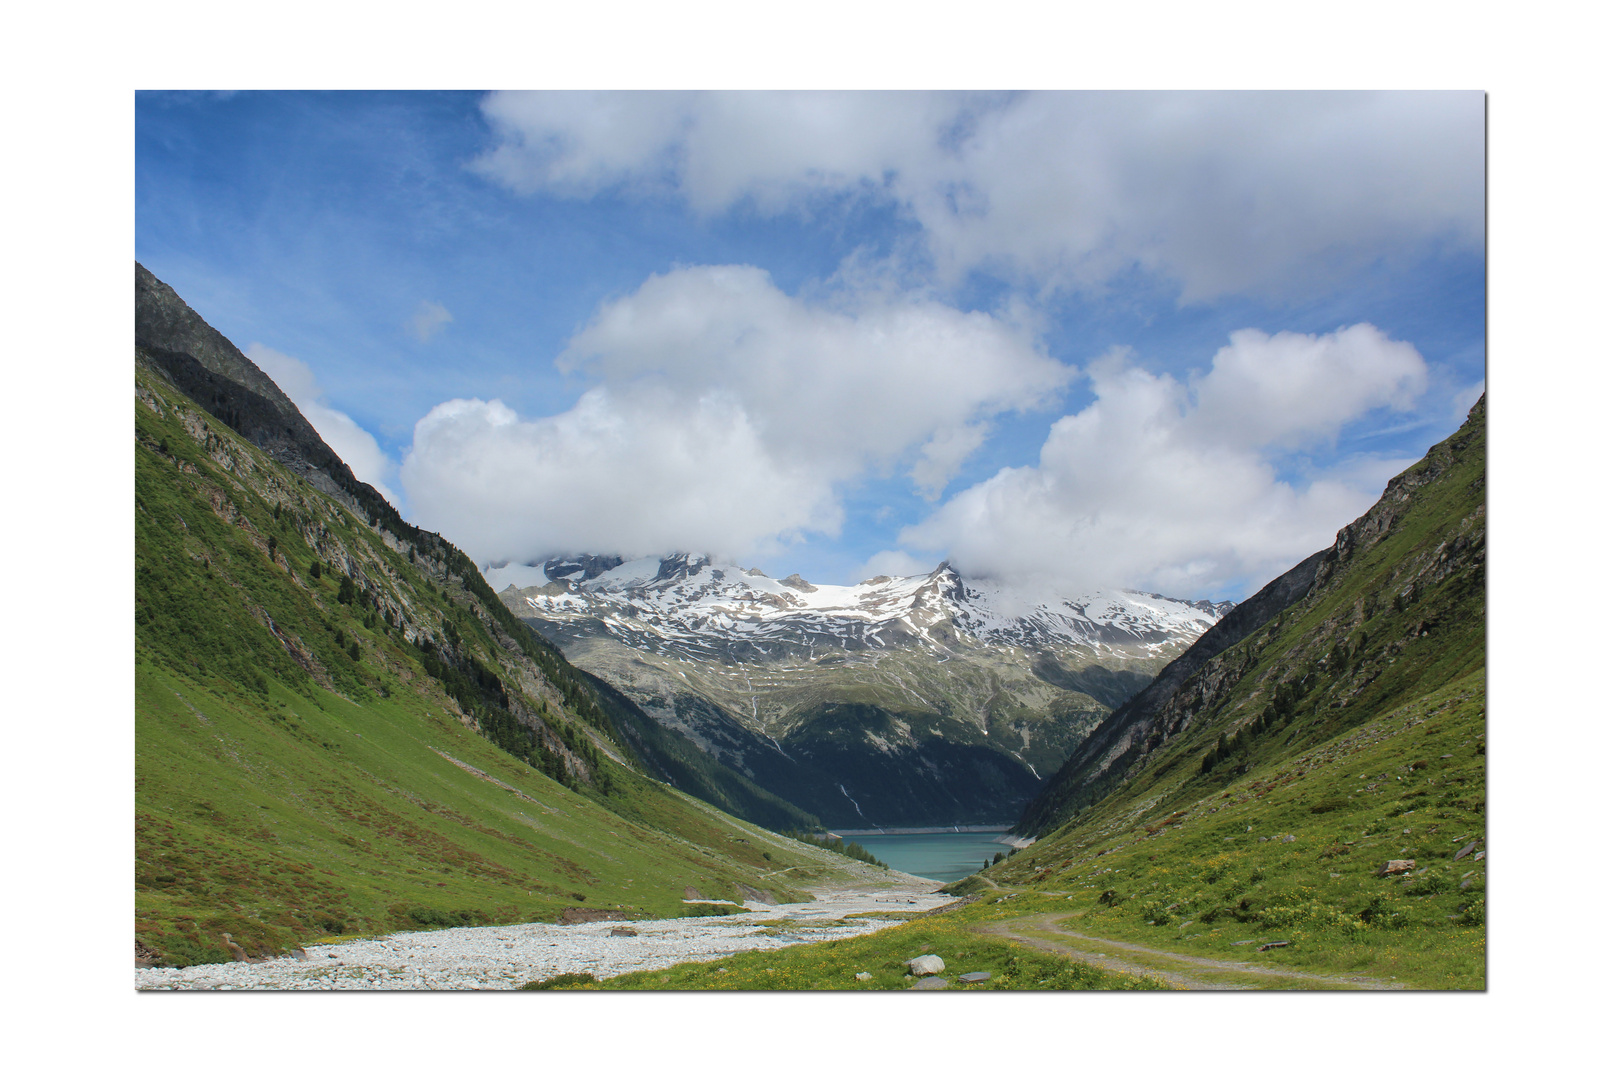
(1465, 851)
(573, 916)
(622, 931)
(975, 977)
(926, 965)
(1397, 866)
(933, 982)
(863, 976)
(758, 896)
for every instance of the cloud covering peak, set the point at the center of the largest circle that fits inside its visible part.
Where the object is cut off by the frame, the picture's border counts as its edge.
(724, 417)
(1173, 485)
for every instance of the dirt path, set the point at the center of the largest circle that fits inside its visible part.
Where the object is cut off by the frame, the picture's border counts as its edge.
(1179, 971)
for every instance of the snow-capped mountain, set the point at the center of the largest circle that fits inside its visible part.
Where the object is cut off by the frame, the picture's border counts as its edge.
(686, 604)
(917, 700)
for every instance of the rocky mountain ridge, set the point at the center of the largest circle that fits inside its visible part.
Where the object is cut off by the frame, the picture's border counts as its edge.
(686, 603)
(919, 700)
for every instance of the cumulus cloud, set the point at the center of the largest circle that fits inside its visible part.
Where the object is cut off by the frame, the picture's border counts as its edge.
(1224, 192)
(1173, 485)
(724, 416)
(617, 473)
(351, 442)
(429, 319)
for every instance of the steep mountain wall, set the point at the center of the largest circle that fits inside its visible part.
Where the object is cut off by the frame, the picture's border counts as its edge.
(1343, 632)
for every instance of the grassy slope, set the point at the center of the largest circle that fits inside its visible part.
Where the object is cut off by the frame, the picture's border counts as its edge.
(1198, 876)
(1218, 878)
(286, 789)
(1379, 755)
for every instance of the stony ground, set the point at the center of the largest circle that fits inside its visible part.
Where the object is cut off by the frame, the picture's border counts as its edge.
(504, 957)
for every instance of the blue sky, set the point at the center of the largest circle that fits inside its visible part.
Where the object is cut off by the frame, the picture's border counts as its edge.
(838, 334)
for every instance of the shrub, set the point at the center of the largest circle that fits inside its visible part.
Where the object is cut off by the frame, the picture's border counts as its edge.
(1383, 914)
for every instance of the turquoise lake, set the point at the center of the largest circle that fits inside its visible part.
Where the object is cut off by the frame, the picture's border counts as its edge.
(943, 856)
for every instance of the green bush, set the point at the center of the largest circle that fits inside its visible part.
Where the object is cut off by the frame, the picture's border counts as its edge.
(560, 982)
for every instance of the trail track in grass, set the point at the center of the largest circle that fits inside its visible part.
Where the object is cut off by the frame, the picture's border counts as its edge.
(1177, 970)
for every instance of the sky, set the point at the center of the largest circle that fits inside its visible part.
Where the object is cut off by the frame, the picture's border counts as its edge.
(1168, 341)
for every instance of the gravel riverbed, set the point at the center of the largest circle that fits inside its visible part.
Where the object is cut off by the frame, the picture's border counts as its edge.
(505, 957)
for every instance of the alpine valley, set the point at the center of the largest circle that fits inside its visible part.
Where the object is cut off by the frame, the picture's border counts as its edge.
(929, 700)
(340, 730)
(344, 728)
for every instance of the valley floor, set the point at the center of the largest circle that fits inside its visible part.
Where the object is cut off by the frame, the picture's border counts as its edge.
(506, 957)
(1178, 971)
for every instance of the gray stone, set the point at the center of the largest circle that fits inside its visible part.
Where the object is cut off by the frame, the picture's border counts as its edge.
(928, 964)
(975, 977)
(623, 931)
(1397, 866)
(1468, 850)
(933, 982)
(863, 976)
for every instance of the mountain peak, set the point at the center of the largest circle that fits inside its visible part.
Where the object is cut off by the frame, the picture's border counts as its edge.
(690, 602)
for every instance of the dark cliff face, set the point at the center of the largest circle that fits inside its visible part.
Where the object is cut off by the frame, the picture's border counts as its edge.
(1332, 586)
(203, 363)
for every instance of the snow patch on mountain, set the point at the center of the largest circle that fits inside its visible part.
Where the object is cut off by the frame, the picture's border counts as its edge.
(688, 604)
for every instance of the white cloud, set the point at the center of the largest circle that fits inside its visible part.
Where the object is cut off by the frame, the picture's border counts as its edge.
(351, 442)
(429, 319)
(1224, 192)
(893, 564)
(724, 418)
(1172, 486)
(1289, 388)
(616, 473)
